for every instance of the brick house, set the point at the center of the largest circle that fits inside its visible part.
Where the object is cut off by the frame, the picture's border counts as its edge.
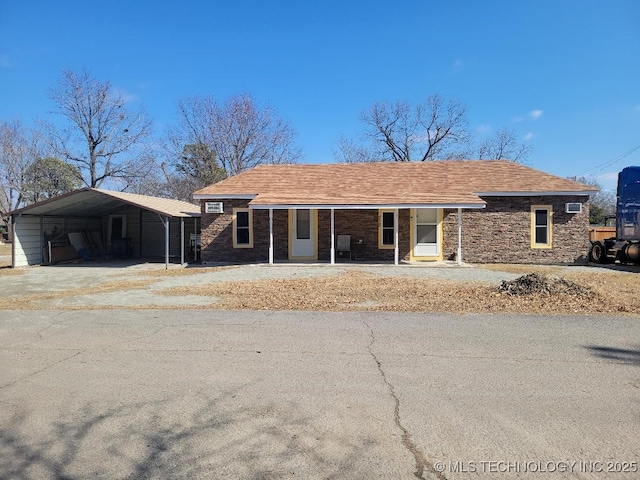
(482, 211)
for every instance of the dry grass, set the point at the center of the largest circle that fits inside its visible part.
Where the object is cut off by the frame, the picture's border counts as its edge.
(521, 269)
(5, 252)
(27, 302)
(362, 291)
(177, 272)
(6, 270)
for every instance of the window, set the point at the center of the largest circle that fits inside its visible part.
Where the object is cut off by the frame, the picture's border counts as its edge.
(541, 226)
(303, 224)
(426, 225)
(242, 228)
(386, 229)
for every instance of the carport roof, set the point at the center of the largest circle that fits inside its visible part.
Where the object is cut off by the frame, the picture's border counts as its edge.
(97, 202)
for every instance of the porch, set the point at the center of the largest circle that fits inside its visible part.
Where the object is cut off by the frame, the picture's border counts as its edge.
(375, 234)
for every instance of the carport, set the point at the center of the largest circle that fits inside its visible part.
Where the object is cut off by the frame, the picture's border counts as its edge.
(91, 222)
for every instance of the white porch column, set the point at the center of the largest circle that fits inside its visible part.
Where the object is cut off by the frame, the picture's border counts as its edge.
(459, 255)
(333, 243)
(271, 236)
(181, 241)
(396, 253)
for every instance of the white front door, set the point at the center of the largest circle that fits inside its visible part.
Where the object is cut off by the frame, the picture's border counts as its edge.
(303, 235)
(426, 232)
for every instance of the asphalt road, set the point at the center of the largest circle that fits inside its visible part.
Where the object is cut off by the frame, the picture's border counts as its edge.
(259, 395)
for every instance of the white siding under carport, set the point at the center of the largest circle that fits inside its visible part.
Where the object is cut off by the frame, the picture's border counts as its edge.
(30, 231)
(27, 243)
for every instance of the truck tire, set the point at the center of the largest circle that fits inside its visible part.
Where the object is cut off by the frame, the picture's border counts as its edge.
(597, 253)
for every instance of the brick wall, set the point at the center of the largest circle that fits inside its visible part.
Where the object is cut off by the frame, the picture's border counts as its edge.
(217, 234)
(501, 233)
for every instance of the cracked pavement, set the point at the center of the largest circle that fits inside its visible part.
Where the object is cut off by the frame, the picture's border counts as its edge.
(210, 394)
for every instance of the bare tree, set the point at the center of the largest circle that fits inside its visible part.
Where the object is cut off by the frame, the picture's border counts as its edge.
(104, 138)
(601, 204)
(504, 145)
(237, 135)
(18, 151)
(398, 131)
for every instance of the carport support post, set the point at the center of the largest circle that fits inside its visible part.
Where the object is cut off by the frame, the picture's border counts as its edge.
(165, 220)
(271, 236)
(459, 255)
(181, 241)
(396, 253)
(333, 243)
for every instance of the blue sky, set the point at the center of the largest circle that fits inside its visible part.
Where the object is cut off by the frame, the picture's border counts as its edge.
(563, 74)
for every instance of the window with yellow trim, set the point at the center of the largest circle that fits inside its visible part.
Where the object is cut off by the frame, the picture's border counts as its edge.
(242, 228)
(541, 226)
(386, 229)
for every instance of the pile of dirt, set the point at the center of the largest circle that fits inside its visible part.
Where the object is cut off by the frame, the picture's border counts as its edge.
(535, 283)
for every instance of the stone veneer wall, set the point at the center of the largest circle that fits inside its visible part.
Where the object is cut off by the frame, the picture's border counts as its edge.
(501, 232)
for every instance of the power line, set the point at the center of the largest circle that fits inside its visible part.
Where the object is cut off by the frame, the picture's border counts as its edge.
(599, 168)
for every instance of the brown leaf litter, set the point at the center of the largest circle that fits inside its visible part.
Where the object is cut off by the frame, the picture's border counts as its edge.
(364, 291)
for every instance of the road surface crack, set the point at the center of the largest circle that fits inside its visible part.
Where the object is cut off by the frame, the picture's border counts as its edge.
(422, 463)
(42, 369)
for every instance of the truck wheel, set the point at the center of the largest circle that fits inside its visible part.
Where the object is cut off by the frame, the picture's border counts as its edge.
(598, 253)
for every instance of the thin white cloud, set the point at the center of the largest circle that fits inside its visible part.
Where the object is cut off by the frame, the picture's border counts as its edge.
(529, 136)
(535, 114)
(484, 128)
(4, 61)
(457, 64)
(128, 97)
(637, 109)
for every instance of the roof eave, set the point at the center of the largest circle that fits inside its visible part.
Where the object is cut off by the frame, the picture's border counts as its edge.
(368, 206)
(548, 193)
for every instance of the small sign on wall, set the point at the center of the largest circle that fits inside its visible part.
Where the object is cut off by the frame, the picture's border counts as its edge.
(213, 207)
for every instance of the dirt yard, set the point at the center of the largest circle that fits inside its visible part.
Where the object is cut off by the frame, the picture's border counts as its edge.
(5, 255)
(592, 292)
(476, 289)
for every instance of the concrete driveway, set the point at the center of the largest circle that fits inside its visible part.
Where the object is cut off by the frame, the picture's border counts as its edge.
(260, 395)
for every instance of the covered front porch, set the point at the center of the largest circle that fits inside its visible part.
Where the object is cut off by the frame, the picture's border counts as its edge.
(369, 234)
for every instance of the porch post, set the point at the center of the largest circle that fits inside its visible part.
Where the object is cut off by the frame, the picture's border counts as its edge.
(459, 255)
(165, 222)
(181, 241)
(271, 236)
(396, 253)
(333, 243)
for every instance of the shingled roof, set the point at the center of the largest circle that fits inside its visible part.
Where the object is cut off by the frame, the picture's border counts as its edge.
(442, 183)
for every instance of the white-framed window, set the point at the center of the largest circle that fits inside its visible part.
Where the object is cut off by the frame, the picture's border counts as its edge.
(242, 228)
(386, 229)
(541, 226)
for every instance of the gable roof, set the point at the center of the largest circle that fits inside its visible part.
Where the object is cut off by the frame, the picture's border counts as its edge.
(96, 202)
(441, 183)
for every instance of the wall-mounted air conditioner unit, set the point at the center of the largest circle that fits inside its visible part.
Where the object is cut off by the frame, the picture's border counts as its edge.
(573, 208)
(213, 207)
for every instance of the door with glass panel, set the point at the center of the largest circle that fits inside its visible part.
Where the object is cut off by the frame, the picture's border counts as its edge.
(426, 233)
(303, 235)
